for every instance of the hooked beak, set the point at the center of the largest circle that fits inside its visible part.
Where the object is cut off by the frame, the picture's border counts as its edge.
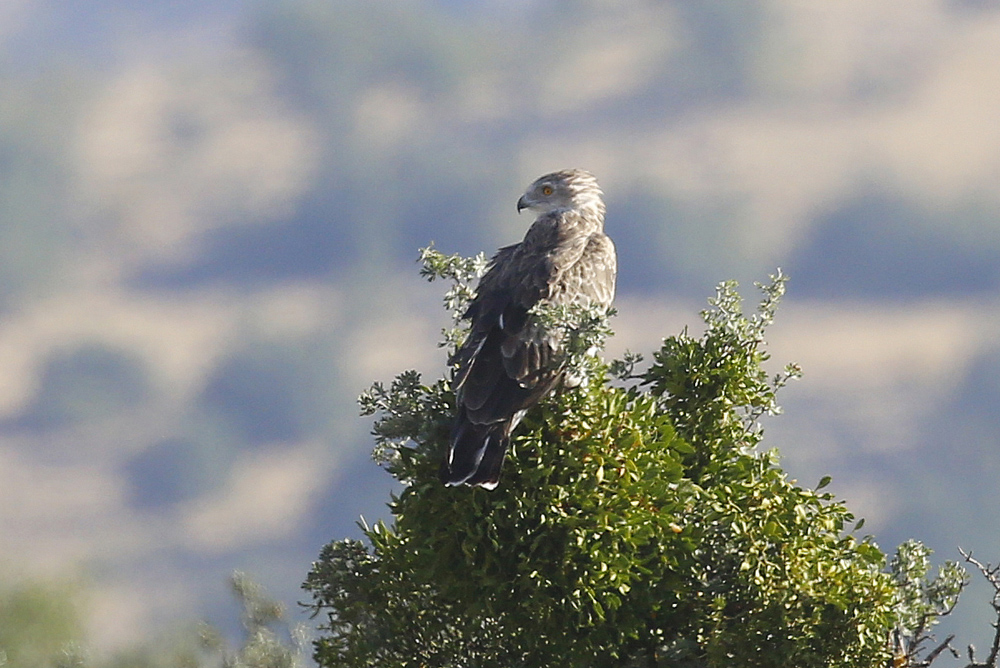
(521, 204)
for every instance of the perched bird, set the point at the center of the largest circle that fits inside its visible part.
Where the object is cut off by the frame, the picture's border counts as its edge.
(507, 362)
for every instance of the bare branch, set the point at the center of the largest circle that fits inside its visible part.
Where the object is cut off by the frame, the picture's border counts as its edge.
(992, 575)
(946, 645)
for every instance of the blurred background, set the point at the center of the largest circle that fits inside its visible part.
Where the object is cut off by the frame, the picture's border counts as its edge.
(210, 213)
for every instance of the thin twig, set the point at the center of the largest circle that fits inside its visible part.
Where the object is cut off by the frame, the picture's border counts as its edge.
(946, 645)
(992, 575)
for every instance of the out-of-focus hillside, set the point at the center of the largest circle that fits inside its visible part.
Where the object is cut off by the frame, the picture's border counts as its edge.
(209, 214)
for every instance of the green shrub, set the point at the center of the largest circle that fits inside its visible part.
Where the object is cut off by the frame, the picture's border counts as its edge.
(636, 524)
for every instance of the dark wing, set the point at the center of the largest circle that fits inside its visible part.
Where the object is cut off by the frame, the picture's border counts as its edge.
(506, 363)
(499, 371)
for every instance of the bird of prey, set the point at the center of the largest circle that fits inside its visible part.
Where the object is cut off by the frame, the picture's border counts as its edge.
(508, 362)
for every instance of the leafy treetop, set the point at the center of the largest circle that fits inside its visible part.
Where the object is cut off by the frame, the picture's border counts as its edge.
(637, 523)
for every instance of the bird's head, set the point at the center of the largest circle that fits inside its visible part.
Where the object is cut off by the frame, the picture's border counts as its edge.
(568, 189)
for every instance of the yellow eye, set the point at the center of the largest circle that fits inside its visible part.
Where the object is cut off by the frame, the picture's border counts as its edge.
(547, 190)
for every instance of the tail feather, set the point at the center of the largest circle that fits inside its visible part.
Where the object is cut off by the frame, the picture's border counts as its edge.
(487, 475)
(476, 454)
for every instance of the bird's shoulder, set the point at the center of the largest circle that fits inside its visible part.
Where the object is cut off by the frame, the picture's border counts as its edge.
(557, 228)
(600, 248)
(526, 272)
(501, 265)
